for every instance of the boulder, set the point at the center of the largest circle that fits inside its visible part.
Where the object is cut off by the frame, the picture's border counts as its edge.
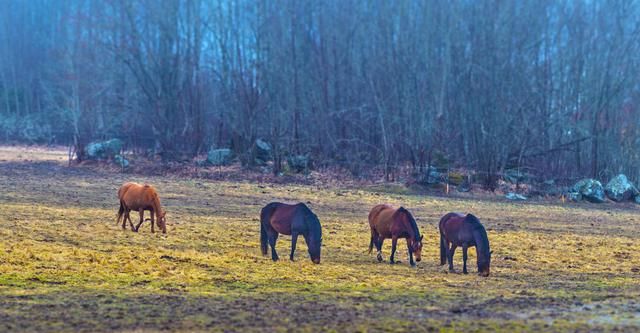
(432, 176)
(464, 187)
(121, 161)
(298, 163)
(263, 152)
(620, 189)
(515, 177)
(515, 196)
(588, 189)
(101, 150)
(219, 156)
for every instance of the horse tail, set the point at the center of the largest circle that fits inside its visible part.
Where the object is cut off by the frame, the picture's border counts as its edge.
(371, 242)
(120, 213)
(265, 215)
(443, 249)
(263, 239)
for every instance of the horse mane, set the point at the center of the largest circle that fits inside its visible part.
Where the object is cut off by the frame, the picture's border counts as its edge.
(412, 222)
(155, 198)
(311, 217)
(478, 228)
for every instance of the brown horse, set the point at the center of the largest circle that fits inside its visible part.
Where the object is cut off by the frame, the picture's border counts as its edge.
(388, 222)
(279, 218)
(466, 231)
(134, 196)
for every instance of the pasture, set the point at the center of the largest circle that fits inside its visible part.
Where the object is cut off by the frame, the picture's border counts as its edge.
(66, 266)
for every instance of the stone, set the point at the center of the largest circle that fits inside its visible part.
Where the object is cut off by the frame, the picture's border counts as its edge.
(515, 196)
(298, 163)
(263, 152)
(102, 150)
(218, 157)
(590, 190)
(121, 161)
(619, 188)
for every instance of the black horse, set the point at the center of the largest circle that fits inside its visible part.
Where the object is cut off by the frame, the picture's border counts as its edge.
(279, 218)
(466, 231)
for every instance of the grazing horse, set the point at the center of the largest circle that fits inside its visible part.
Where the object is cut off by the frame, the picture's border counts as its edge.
(388, 222)
(134, 196)
(466, 231)
(279, 218)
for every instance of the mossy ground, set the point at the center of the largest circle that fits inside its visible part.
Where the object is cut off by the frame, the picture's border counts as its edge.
(66, 266)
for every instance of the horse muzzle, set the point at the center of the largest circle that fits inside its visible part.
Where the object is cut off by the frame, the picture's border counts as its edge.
(315, 260)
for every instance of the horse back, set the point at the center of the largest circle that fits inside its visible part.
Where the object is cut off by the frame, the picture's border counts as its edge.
(281, 216)
(381, 219)
(136, 196)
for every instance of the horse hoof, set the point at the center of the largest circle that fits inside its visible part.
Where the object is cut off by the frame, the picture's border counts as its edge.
(380, 258)
(465, 272)
(392, 262)
(413, 265)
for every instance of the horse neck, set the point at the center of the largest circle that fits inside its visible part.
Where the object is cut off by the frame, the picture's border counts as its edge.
(482, 242)
(156, 205)
(414, 232)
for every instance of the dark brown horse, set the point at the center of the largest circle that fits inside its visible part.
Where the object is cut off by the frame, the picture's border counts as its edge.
(137, 197)
(465, 231)
(279, 218)
(388, 222)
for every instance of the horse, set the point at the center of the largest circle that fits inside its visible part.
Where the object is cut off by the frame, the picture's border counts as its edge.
(388, 222)
(465, 231)
(279, 218)
(134, 196)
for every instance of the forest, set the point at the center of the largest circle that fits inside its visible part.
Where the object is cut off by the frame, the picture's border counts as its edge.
(550, 87)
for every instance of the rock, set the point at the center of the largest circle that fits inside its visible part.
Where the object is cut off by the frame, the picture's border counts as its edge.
(219, 156)
(99, 150)
(620, 189)
(589, 189)
(431, 176)
(515, 196)
(263, 152)
(515, 177)
(574, 196)
(298, 163)
(121, 161)
(464, 187)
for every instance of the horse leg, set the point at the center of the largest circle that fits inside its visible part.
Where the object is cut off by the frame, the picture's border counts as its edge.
(124, 220)
(141, 212)
(411, 262)
(450, 254)
(464, 259)
(379, 247)
(294, 239)
(394, 244)
(152, 220)
(128, 216)
(273, 237)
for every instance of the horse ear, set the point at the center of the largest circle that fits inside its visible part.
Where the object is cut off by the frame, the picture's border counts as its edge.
(422, 236)
(491, 252)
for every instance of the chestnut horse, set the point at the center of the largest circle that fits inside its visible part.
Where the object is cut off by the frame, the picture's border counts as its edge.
(388, 222)
(134, 196)
(465, 231)
(279, 218)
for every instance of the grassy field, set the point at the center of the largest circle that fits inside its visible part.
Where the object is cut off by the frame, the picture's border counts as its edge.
(66, 266)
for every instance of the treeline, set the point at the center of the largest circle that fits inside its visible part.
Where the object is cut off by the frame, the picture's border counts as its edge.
(550, 87)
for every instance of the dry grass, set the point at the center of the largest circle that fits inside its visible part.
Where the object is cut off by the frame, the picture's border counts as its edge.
(66, 266)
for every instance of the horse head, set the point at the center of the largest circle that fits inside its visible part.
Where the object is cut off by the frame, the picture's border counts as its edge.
(314, 241)
(416, 248)
(484, 262)
(162, 221)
